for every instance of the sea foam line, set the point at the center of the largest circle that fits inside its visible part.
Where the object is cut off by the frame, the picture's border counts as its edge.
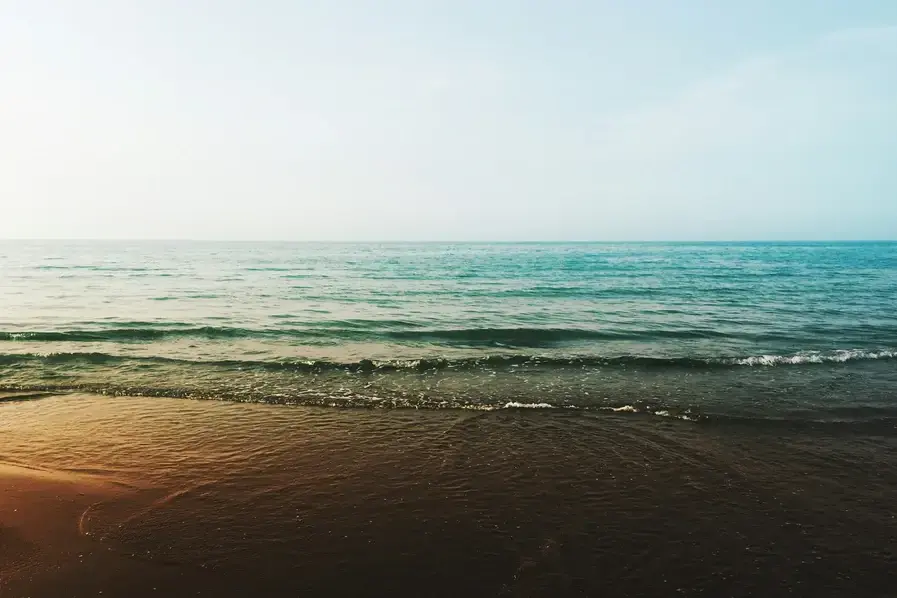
(483, 362)
(808, 357)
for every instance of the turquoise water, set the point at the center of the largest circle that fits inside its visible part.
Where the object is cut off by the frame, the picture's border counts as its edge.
(758, 330)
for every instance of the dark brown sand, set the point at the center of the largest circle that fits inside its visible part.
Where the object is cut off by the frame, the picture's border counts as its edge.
(44, 544)
(164, 497)
(46, 548)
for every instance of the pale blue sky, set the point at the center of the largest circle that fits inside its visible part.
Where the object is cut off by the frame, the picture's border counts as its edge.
(454, 120)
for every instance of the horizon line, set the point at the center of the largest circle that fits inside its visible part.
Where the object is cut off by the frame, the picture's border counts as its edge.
(432, 242)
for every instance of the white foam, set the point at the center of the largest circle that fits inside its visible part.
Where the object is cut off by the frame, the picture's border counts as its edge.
(687, 416)
(510, 405)
(807, 357)
(684, 416)
(516, 405)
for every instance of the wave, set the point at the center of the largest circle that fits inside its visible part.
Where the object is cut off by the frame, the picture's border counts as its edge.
(510, 405)
(484, 362)
(685, 415)
(92, 268)
(874, 419)
(534, 337)
(335, 331)
(128, 334)
(811, 357)
(12, 392)
(624, 386)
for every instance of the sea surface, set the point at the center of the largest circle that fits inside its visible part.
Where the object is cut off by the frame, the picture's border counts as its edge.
(756, 330)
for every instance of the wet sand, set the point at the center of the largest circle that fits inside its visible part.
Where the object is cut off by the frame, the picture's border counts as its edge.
(45, 546)
(147, 497)
(40, 511)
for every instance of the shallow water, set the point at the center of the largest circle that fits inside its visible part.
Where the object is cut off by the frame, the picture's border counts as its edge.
(232, 499)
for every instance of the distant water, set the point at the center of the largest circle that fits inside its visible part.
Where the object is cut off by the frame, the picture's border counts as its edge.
(754, 331)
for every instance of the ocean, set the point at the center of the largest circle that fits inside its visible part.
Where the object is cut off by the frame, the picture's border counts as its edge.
(546, 419)
(752, 330)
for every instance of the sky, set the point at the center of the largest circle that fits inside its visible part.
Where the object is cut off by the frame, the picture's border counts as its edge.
(449, 120)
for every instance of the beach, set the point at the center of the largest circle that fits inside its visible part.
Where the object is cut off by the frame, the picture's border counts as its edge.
(142, 496)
